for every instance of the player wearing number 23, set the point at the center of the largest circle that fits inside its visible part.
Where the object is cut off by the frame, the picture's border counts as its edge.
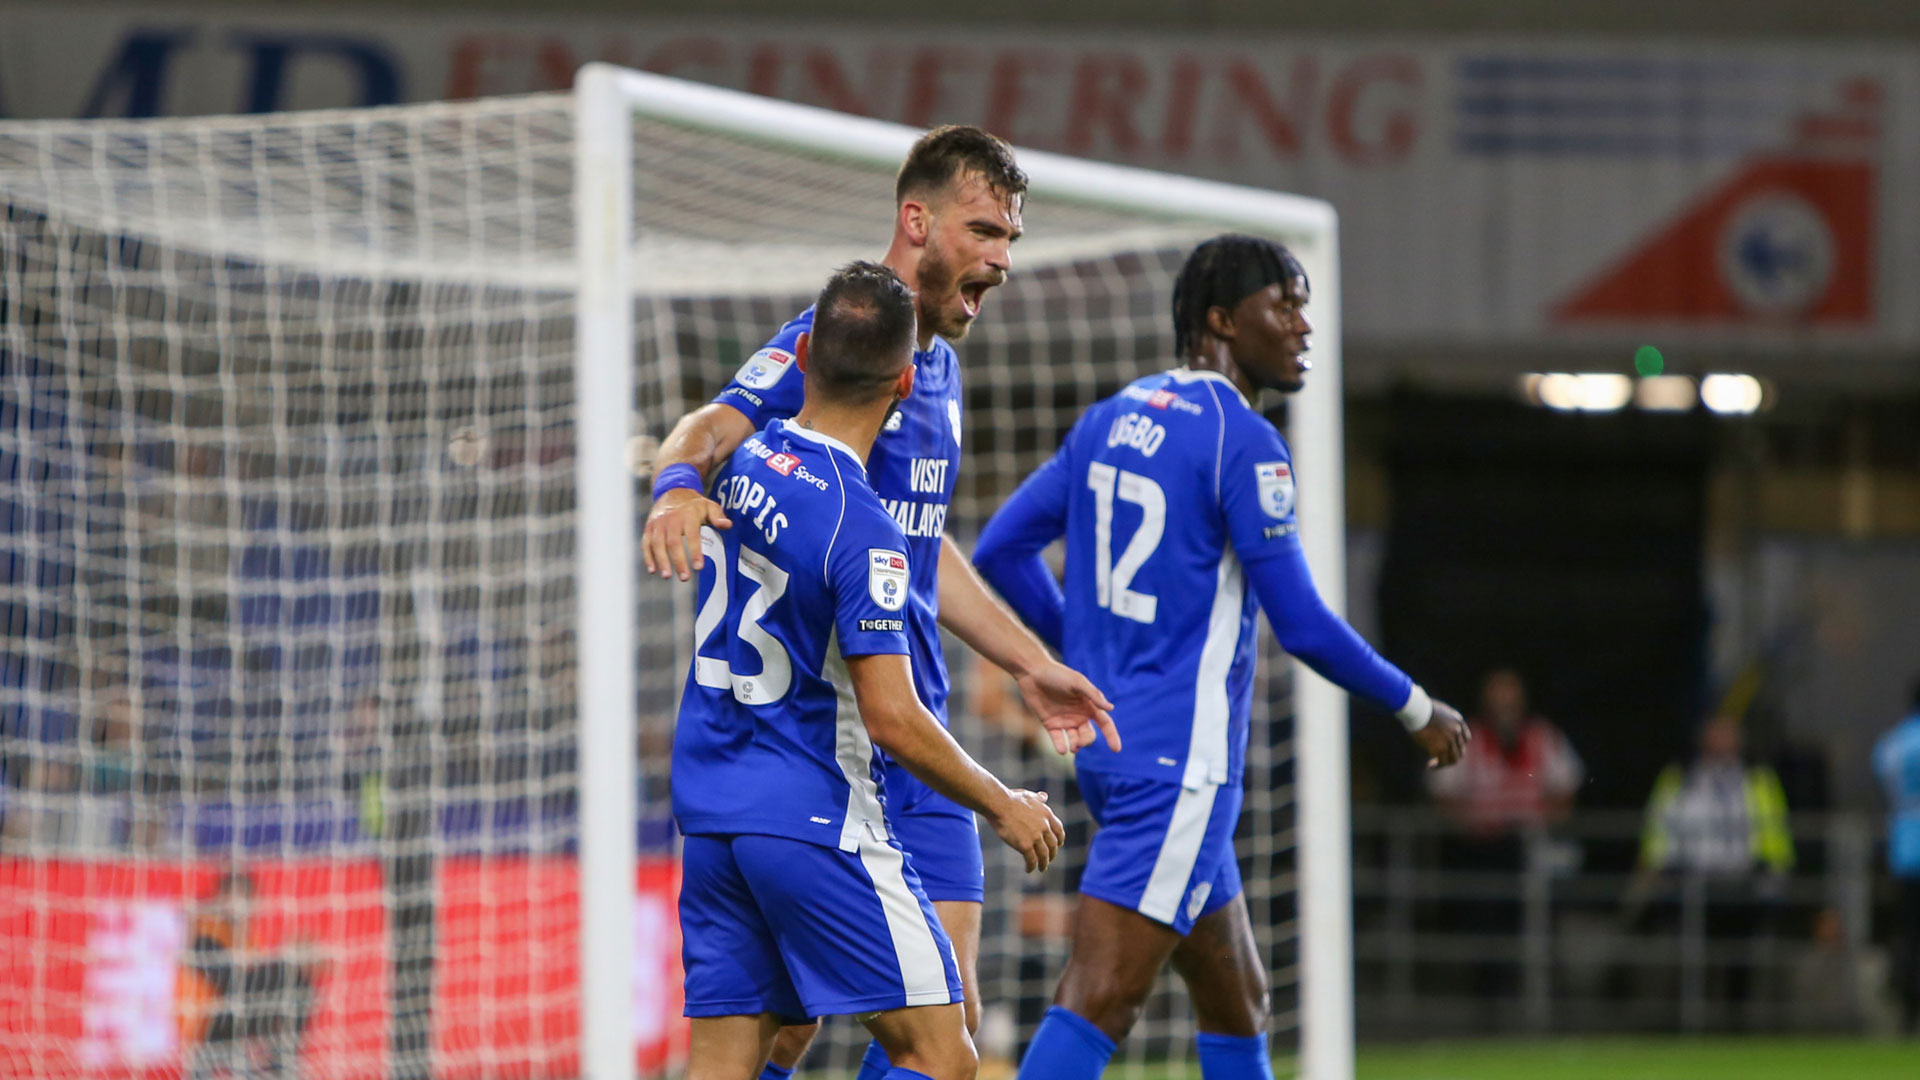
(1176, 498)
(797, 900)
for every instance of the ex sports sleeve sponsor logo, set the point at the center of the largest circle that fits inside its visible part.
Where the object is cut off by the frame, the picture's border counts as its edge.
(887, 578)
(884, 625)
(783, 463)
(1275, 481)
(764, 368)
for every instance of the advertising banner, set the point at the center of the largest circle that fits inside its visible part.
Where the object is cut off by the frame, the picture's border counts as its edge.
(1491, 190)
(136, 970)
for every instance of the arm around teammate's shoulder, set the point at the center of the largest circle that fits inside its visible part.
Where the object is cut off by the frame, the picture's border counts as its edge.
(701, 441)
(898, 723)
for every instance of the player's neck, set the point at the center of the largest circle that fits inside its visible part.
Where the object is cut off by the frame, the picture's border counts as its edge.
(1213, 356)
(855, 426)
(904, 259)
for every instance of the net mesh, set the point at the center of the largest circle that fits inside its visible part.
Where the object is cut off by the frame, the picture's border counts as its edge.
(288, 761)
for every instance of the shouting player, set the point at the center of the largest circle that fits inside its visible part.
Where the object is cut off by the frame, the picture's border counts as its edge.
(957, 214)
(1176, 498)
(795, 901)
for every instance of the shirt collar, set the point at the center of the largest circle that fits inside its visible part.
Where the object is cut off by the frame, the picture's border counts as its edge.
(794, 429)
(1187, 375)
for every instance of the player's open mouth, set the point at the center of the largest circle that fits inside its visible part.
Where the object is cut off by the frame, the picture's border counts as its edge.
(970, 296)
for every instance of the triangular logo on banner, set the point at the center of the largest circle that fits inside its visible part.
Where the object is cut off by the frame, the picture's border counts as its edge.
(1786, 239)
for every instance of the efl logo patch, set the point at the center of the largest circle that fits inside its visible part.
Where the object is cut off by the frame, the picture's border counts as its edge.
(764, 368)
(1161, 399)
(783, 463)
(1276, 487)
(887, 578)
(1197, 899)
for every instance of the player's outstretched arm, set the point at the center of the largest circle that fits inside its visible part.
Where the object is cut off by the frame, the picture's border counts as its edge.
(1070, 707)
(697, 445)
(1008, 554)
(900, 725)
(1324, 641)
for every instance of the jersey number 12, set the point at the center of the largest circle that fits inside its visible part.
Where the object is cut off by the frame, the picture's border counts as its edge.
(1111, 579)
(776, 668)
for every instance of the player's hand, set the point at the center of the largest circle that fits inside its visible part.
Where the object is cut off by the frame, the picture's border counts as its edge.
(1029, 827)
(672, 538)
(1445, 737)
(1069, 707)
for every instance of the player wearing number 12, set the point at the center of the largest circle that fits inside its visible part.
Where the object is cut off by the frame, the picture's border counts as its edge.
(796, 900)
(1176, 499)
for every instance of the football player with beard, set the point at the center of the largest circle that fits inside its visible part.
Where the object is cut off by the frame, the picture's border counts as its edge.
(956, 217)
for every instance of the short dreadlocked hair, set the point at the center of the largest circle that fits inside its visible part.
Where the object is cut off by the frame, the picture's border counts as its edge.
(946, 154)
(1222, 272)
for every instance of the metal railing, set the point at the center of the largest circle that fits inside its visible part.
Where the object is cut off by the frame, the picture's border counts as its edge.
(1557, 931)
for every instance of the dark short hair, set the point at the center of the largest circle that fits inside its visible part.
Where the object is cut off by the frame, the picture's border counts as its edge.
(863, 327)
(1916, 695)
(946, 154)
(1222, 272)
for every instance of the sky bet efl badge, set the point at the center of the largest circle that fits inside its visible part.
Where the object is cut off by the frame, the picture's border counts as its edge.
(887, 578)
(764, 368)
(1276, 487)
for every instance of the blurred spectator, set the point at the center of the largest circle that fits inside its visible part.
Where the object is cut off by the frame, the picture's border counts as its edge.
(1520, 771)
(1717, 814)
(1896, 760)
(1518, 778)
(1716, 835)
(242, 1008)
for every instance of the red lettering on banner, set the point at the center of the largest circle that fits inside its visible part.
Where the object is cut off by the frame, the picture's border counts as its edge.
(1247, 93)
(1183, 99)
(482, 64)
(1107, 88)
(472, 57)
(1007, 97)
(1389, 139)
(763, 70)
(828, 80)
(925, 91)
(669, 59)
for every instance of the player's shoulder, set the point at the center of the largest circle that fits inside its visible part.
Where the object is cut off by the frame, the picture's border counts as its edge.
(773, 361)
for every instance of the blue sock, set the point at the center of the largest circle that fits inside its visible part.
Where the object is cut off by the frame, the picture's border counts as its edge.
(1067, 1047)
(775, 1072)
(874, 1065)
(904, 1074)
(1229, 1057)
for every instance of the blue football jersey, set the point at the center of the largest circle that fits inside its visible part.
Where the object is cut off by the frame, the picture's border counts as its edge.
(914, 467)
(812, 571)
(1167, 486)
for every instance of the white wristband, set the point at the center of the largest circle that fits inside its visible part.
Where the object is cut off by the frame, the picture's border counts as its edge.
(1418, 710)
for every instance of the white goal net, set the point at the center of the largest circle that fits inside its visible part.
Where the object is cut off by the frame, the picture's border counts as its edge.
(290, 762)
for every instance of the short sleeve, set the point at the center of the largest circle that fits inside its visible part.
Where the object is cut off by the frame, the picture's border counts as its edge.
(769, 386)
(867, 567)
(1256, 484)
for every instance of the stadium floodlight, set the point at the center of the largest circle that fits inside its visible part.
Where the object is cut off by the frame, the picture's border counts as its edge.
(1666, 393)
(319, 436)
(1731, 395)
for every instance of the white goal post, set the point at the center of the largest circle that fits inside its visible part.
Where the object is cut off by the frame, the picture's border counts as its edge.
(607, 100)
